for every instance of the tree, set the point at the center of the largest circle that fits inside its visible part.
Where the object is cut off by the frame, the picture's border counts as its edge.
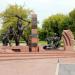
(10, 20)
(72, 16)
(56, 24)
(42, 34)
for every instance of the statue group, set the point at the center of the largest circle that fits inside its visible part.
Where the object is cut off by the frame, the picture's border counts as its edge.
(15, 35)
(53, 42)
(12, 34)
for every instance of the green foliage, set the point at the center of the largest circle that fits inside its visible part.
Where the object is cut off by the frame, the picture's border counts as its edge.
(72, 14)
(42, 34)
(72, 17)
(56, 24)
(10, 20)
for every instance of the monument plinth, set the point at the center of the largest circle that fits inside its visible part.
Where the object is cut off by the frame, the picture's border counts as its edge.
(33, 50)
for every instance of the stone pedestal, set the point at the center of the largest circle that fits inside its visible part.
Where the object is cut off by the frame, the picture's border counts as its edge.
(12, 49)
(35, 49)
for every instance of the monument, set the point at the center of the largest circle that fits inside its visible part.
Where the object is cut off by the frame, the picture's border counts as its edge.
(32, 42)
(33, 59)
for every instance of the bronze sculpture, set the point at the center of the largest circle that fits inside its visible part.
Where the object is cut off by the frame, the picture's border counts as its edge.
(15, 35)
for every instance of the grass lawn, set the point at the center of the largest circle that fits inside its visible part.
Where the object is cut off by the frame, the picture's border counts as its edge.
(39, 43)
(42, 43)
(22, 42)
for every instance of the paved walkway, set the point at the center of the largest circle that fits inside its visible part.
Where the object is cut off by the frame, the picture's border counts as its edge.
(66, 69)
(28, 67)
(33, 66)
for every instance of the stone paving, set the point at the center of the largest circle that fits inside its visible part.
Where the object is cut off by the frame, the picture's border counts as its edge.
(37, 66)
(66, 69)
(28, 67)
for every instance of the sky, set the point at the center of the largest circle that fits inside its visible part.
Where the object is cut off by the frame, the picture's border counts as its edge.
(43, 8)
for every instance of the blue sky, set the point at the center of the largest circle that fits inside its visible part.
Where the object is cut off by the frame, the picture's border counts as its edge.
(43, 8)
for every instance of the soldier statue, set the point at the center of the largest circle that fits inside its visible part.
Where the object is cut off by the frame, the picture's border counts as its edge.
(10, 35)
(11, 32)
(56, 41)
(5, 39)
(20, 29)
